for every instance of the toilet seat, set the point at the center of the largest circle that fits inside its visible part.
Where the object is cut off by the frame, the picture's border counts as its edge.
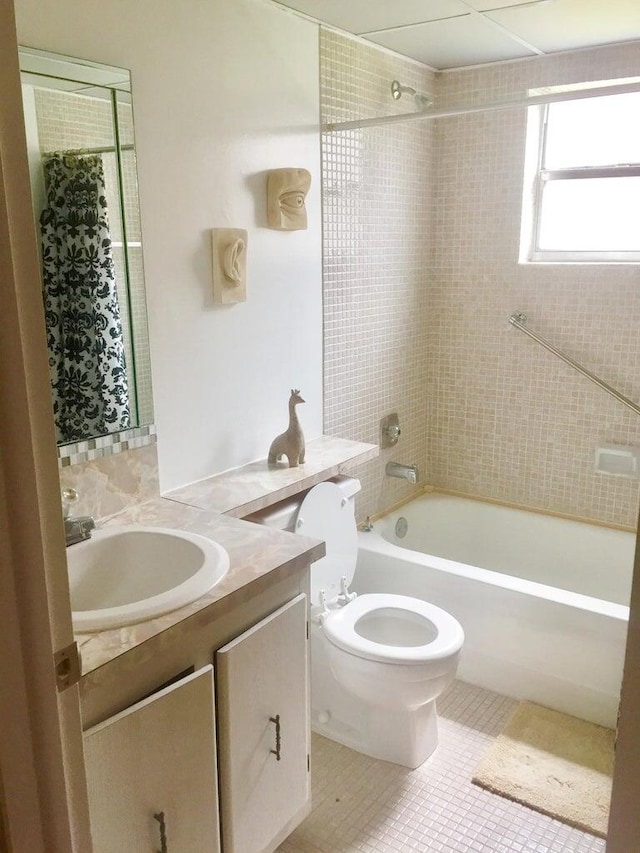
(326, 513)
(443, 635)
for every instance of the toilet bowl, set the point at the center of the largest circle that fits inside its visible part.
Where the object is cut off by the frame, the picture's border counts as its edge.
(378, 661)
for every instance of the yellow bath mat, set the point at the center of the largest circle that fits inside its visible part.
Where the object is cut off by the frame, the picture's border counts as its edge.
(556, 764)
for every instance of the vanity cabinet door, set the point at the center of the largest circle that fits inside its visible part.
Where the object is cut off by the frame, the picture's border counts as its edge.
(156, 757)
(263, 731)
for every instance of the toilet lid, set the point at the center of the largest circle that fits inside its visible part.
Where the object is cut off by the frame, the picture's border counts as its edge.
(327, 514)
(394, 629)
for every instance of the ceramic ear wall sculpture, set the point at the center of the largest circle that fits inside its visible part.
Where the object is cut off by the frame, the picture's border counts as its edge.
(286, 193)
(229, 257)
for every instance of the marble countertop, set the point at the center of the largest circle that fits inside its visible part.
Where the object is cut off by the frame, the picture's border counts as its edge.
(243, 491)
(213, 508)
(254, 553)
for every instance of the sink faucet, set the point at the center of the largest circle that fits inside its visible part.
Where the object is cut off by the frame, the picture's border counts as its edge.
(78, 528)
(404, 472)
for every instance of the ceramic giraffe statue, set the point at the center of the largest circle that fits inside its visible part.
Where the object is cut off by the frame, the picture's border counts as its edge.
(291, 442)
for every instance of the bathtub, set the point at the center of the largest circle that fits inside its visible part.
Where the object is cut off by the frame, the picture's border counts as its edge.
(543, 600)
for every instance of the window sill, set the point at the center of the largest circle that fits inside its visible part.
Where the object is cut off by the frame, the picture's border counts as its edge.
(582, 259)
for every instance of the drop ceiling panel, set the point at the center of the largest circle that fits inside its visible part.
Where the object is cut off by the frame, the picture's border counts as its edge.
(485, 5)
(567, 24)
(363, 16)
(453, 43)
(457, 33)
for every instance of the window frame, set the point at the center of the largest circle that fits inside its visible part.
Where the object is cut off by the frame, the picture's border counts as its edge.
(543, 176)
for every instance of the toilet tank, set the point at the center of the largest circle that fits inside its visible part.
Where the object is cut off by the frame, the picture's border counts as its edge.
(283, 514)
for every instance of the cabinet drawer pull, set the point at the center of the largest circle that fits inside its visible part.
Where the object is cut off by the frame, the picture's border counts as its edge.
(159, 816)
(276, 721)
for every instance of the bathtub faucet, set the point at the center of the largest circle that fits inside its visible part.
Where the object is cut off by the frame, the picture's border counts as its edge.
(78, 528)
(404, 472)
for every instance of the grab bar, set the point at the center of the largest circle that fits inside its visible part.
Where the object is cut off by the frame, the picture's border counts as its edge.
(520, 320)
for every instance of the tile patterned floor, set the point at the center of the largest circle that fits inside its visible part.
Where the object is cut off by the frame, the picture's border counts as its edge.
(362, 805)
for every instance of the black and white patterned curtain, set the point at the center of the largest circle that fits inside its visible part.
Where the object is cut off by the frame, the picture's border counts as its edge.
(84, 331)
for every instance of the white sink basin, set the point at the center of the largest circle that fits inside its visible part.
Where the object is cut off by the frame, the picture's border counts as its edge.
(127, 574)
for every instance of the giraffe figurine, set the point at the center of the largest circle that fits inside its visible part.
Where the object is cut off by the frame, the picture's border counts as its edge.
(291, 442)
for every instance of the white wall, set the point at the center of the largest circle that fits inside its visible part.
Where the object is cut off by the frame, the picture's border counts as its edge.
(224, 90)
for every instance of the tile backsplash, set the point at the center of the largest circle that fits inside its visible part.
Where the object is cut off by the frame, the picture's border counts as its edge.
(421, 239)
(106, 445)
(108, 484)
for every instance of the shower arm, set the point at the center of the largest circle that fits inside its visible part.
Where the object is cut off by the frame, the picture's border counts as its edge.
(534, 100)
(520, 322)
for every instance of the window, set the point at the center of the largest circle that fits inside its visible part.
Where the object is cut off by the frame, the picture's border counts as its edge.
(586, 181)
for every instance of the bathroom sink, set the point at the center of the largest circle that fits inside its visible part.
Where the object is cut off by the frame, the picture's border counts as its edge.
(127, 574)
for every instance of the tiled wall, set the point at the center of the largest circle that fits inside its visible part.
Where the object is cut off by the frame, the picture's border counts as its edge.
(376, 229)
(508, 420)
(421, 242)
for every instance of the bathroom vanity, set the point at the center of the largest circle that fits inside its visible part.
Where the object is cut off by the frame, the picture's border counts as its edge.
(155, 739)
(197, 722)
(159, 756)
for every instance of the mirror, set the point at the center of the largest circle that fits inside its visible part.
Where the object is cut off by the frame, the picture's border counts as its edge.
(79, 126)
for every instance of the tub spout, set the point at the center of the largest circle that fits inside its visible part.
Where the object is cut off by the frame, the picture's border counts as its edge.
(404, 472)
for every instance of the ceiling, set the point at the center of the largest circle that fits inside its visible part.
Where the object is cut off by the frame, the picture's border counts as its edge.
(455, 33)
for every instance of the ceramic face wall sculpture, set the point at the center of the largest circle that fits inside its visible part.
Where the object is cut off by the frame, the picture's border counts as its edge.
(286, 193)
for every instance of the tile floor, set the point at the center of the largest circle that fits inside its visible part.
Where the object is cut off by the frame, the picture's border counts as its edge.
(370, 806)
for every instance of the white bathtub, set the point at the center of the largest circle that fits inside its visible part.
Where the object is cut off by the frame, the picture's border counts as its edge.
(543, 601)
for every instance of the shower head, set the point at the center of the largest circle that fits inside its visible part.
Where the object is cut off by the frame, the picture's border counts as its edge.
(398, 90)
(422, 101)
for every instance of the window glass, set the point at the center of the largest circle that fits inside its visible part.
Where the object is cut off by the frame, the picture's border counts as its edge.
(593, 132)
(592, 215)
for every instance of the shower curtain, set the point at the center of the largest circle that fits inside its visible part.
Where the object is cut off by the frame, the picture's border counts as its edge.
(84, 331)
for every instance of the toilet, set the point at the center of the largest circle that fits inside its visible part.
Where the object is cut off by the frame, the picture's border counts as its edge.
(378, 661)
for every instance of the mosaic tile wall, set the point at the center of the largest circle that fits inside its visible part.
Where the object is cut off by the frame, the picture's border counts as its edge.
(376, 224)
(507, 419)
(421, 242)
